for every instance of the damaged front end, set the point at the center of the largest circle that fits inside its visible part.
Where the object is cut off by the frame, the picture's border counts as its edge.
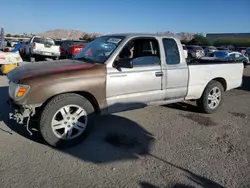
(22, 113)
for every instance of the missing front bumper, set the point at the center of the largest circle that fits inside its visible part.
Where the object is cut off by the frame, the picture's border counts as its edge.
(21, 114)
(18, 112)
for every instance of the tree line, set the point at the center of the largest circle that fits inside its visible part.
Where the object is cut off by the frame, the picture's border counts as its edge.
(88, 37)
(203, 41)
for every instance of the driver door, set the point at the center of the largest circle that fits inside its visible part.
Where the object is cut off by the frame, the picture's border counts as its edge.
(136, 87)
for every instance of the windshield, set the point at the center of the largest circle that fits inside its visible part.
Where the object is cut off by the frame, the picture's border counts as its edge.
(79, 43)
(212, 48)
(198, 48)
(100, 49)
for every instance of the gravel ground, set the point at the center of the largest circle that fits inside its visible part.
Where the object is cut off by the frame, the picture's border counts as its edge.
(167, 146)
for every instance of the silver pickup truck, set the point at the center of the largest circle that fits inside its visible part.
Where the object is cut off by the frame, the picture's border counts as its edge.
(114, 73)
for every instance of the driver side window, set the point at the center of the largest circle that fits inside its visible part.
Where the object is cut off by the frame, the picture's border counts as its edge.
(142, 52)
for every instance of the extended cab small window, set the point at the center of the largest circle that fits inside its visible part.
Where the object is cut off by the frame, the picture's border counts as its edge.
(171, 51)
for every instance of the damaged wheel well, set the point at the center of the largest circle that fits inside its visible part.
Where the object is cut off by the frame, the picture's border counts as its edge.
(87, 95)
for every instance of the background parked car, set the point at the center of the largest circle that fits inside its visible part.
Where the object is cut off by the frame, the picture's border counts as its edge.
(240, 56)
(58, 42)
(241, 49)
(223, 48)
(247, 53)
(232, 55)
(209, 50)
(10, 44)
(70, 48)
(41, 48)
(22, 44)
(185, 51)
(195, 51)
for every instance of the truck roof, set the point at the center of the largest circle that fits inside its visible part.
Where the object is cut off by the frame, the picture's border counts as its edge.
(143, 34)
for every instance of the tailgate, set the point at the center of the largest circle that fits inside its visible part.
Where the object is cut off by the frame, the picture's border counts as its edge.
(46, 48)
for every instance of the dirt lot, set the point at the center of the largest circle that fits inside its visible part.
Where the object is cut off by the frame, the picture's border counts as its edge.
(172, 146)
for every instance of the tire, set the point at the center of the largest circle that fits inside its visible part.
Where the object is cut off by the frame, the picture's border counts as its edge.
(189, 58)
(203, 102)
(245, 64)
(30, 58)
(51, 109)
(66, 55)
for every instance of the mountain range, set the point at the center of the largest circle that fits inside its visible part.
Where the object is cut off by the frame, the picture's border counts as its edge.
(76, 34)
(65, 34)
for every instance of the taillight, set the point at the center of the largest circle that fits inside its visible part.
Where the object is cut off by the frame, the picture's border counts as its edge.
(76, 49)
(34, 45)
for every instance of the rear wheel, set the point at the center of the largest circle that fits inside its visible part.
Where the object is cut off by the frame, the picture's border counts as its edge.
(211, 98)
(66, 119)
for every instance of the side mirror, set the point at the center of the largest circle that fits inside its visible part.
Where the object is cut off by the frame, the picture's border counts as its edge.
(125, 63)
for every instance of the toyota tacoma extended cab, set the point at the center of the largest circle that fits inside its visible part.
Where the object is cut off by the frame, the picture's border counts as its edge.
(114, 73)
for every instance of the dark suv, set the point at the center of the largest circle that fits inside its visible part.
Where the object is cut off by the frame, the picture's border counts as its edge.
(70, 48)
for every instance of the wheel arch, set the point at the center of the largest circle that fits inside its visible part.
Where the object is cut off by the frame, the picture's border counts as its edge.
(85, 94)
(222, 81)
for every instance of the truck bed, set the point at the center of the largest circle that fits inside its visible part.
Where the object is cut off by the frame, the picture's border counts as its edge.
(201, 72)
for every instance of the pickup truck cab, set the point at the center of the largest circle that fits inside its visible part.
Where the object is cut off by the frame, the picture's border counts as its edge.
(114, 73)
(41, 48)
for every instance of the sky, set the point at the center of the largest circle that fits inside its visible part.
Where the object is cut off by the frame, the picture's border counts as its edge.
(114, 16)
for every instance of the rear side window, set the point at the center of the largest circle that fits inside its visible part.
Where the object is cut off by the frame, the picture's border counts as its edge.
(79, 43)
(171, 51)
(66, 43)
(43, 41)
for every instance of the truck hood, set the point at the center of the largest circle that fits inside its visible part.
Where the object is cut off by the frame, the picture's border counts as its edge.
(45, 67)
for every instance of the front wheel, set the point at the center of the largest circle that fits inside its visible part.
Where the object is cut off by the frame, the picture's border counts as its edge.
(211, 98)
(55, 58)
(66, 119)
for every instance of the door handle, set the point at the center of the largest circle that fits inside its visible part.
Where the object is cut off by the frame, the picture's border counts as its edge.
(121, 75)
(158, 74)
